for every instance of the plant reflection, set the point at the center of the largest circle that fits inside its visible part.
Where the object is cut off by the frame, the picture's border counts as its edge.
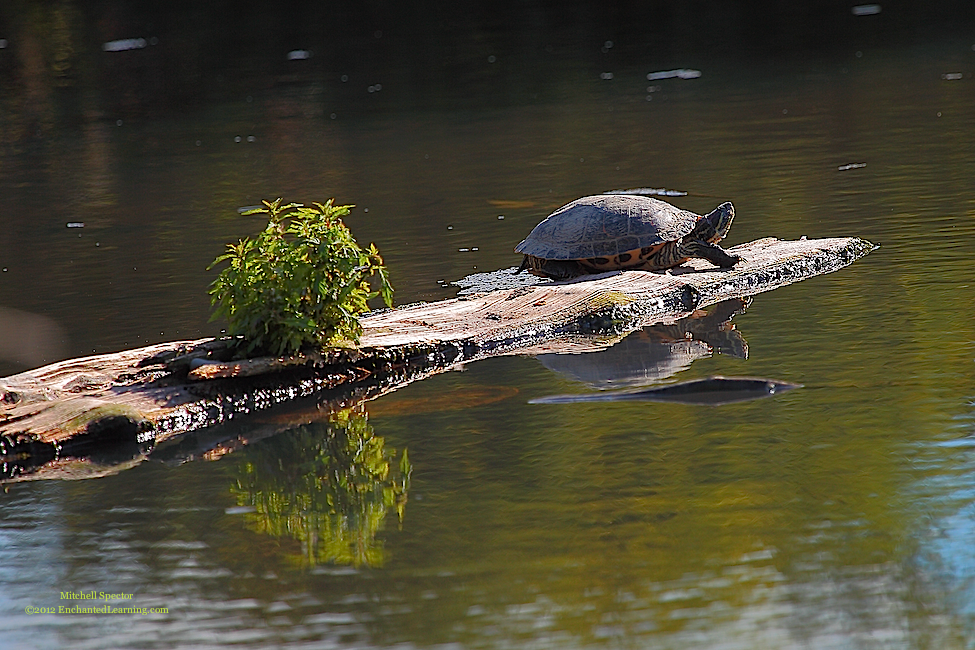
(327, 485)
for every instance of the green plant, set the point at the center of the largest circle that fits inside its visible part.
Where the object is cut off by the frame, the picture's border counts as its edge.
(300, 283)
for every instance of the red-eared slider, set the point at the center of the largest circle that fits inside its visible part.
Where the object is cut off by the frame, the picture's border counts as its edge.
(622, 231)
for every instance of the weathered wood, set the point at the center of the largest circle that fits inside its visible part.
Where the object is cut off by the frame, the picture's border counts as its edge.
(491, 323)
(153, 394)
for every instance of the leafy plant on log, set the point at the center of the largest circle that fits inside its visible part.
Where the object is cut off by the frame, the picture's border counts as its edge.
(301, 283)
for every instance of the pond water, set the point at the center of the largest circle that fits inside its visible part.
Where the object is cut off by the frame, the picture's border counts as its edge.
(838, 515)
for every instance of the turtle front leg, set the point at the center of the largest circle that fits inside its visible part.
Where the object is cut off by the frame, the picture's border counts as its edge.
(711, 252)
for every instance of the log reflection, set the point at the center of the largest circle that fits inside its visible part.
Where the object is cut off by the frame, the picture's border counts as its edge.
(652, 354)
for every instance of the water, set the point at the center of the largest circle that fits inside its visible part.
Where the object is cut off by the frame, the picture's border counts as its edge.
(838, 515)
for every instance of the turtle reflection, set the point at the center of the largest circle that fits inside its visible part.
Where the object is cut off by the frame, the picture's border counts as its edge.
(653, 354)
(328, 485)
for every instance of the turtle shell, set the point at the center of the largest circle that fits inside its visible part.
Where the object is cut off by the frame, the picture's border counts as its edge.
(606, 225)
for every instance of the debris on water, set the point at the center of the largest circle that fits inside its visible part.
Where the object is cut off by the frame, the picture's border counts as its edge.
(496, 280)
(843, 168)
(952, 76)
(76, 224)
(649, 191)
(865, 10)
(124, 44)
(680, 73)
(712, 391)
(248, 208)
(299, 55)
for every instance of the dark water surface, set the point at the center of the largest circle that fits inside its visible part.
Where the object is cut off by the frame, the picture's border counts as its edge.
(839, 515)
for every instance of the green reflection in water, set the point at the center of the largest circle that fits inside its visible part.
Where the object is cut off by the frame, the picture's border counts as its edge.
(329, 486)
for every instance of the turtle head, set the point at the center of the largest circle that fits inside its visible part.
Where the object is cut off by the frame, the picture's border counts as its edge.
(720, 219)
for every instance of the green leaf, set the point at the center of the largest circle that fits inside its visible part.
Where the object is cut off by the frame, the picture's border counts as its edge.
(300, 282)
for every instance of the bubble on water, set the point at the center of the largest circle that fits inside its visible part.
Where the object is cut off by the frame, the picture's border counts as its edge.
(952, 76)
(492, 59)
(333, 116)
(606, 75)
(299, 55)
(344, 78)
(118, 122)
(251, 138)
(237, 138)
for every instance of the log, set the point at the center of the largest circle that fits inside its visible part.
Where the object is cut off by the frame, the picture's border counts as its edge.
(150, 395)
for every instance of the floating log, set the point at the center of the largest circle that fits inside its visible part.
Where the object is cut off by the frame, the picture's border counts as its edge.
(153, 394)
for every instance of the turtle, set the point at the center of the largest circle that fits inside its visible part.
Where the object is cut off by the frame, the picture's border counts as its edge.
(609, 232)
